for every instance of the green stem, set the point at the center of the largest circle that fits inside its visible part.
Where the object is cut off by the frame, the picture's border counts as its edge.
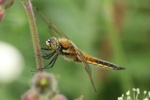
(35, 40)
(115, 42)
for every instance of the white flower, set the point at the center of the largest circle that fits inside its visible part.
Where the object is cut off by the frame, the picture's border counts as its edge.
(128, 92)
(145, 92)
(120, 98)
(138, 91)
(134, 89)
(145, 99)
(129, 98)
(136, 95)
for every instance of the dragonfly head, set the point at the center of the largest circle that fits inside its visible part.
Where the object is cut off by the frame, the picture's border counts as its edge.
(52, 43)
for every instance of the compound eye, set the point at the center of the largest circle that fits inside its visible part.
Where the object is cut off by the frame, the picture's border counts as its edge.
(48, 42)
(52, 43)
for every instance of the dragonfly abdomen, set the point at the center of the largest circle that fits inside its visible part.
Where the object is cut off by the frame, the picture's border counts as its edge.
(101, 63)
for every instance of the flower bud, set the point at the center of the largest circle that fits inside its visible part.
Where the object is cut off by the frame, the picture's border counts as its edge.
(44, 83)
(31, 95)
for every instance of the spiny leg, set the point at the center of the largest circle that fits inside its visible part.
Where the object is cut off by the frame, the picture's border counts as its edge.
(48, 56)
(46, 49)
(50, 65)
(52, 62)
(43, 52)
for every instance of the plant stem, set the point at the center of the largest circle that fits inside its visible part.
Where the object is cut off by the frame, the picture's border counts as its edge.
(115, 41)
(35, 40)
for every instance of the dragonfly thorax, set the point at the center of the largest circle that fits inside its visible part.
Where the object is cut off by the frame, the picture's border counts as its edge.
(52, 43)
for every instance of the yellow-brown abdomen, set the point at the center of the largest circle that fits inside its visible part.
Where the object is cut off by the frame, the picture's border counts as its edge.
(101, 63)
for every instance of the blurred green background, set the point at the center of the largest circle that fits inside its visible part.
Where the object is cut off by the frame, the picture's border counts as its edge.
(117, 31)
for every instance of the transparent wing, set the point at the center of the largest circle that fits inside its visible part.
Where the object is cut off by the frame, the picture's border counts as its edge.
(86, 66)
(57, 32)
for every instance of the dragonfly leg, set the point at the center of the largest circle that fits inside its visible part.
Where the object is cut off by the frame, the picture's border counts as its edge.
(50, 65)
(35, 71)
(52, 62)
(48, 56)
(44, 48)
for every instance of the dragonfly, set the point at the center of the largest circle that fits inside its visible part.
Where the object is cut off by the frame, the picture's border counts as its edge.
(63, 46)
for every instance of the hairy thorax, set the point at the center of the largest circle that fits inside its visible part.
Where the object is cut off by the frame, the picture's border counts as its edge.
(68, 49)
